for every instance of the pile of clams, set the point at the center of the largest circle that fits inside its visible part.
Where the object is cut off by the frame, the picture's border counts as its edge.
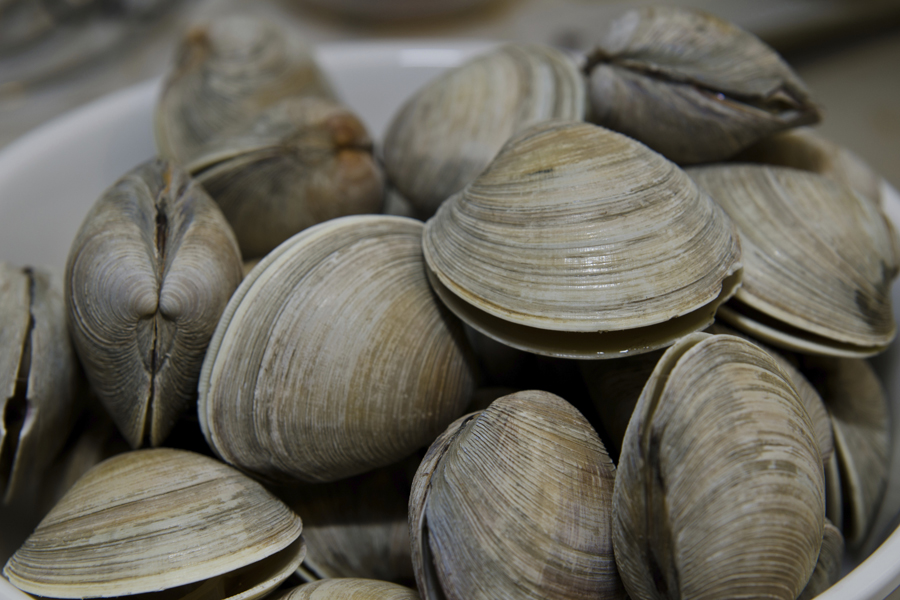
(599, 368)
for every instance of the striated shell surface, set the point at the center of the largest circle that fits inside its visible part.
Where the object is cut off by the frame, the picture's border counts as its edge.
(148, 275)
(300, 162)
(515, 503)
(334, 357)
(692, 86)
(225, 72)
(579, 242)
(818, 260)
(449, 131)
(720, 489)
(349, 589)
(150, 520)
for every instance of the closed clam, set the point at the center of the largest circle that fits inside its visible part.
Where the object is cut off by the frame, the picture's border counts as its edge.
(149, 273)
(515, 502)
(449, 131)
(579, 242)
(828, 565)
(692, 86)
(818, 260)
(39, 376)
(299, 162)
(720, 489)
(333, 356)
(348, 589)
(225, 72)
(144, 522)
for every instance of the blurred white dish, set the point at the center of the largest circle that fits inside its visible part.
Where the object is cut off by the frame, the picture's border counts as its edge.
(50, 177)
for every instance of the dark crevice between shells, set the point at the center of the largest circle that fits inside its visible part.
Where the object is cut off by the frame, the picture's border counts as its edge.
(162, 232)
(778, 101)
(15, 412)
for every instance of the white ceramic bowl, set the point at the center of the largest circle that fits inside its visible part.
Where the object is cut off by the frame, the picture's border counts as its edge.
(50, 177)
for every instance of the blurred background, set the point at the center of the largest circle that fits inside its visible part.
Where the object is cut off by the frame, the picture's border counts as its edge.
(58, 54)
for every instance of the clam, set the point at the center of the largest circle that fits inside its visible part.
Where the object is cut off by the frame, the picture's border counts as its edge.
(449, 131)
(719, 491)
(40, 380)
(149, 273)
(299, 162)
(514, 502)
(144, 522)
(818, 260)
(692, 86)
(579, 242)
(828, 565)
(226, 72)
(334, 357)
(349, 589)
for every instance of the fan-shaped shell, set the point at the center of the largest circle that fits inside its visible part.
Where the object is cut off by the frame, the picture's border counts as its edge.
(151, 520)
(334, 357)
(692, 86)
(579, 242)
(818, 260)
(514, 503)
(148, 274)
(449, 131)
(719, 491)
(349, 589)
(299, 162)
(225, 72)
(40, 382)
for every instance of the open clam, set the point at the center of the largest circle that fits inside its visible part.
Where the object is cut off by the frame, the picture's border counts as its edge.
(160, 519)
(720, 489)
(579, 242)
(818, 260)
(333, 356)
(447, 133)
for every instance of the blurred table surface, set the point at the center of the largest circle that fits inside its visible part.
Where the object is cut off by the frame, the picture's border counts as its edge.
(847, 51)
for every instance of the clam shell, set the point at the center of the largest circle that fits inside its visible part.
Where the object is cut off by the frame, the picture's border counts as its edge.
(333, 357)
(818, 260)
(144, 521)
(349, 589)
(299, 162)
(40, 383)
(692, 86)
(148, 274)
(828, 565)
(579, 242)
(514, 502)
(719, 491)
(449, 131)
(225, 72)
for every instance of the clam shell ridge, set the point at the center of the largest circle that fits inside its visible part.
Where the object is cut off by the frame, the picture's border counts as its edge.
(334, 357)
(720, 488)
(144, 521)
(451, 129)
(514, 502)
(575, 228)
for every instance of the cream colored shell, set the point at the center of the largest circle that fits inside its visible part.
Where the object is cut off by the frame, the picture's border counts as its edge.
(349, 589)
(151, 520)
(449, 131)
(514, 503)
(334, 357)
(579, 242)
(818, 260)
(719, 490)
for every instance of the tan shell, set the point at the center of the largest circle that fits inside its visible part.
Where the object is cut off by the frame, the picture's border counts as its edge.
(349, 589)
(40, 380)
(828, 565)
(299, 162)
(719, 491)
(143, 521)
(149, 273)
(514, 503)
(226, 71)
(449, 131)
(860, 416)
(334, 357)
(579, 242)
(818, 260)
(692, 86)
